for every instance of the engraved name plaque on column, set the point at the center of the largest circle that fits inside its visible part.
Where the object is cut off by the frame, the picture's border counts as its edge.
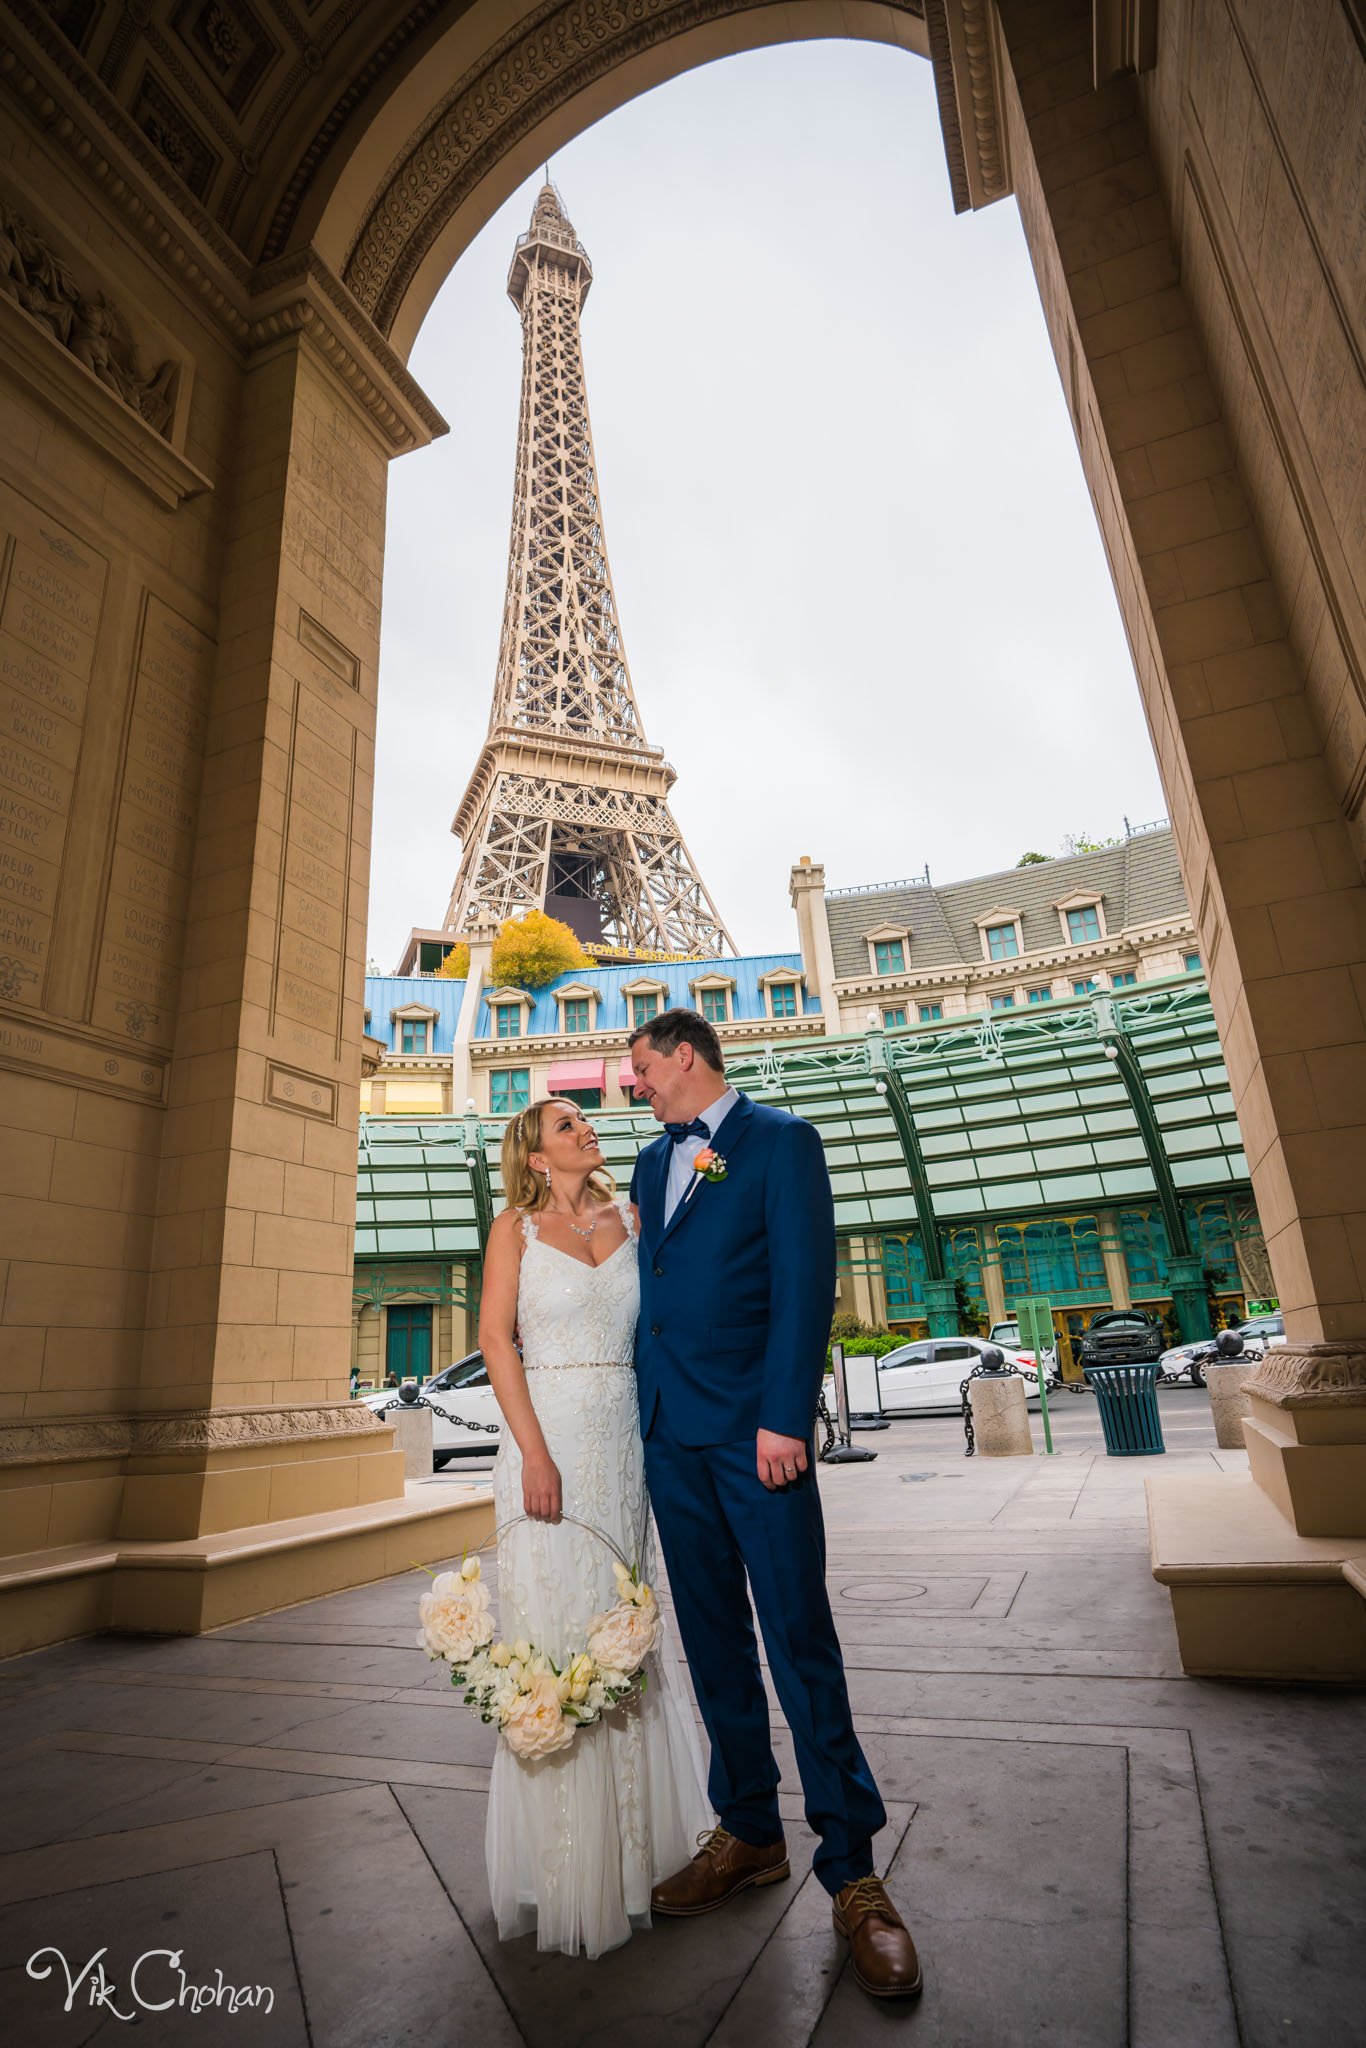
(143, 937)
(52, 588)
(311, 926)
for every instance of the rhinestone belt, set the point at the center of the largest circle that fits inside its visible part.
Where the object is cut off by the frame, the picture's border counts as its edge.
(586, 1365)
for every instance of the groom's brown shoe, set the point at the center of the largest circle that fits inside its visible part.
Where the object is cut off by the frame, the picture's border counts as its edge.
(882, 1952)
(722, 1866)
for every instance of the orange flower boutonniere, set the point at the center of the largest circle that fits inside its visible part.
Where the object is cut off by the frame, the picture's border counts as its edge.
(709, 1164)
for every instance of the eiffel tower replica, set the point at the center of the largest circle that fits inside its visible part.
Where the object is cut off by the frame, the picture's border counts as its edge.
(568, 807)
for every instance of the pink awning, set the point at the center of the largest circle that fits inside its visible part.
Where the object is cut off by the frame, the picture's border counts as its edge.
(577, 1074)
(626, 1075)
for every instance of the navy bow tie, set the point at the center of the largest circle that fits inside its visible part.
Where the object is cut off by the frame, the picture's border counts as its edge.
(678, 1132)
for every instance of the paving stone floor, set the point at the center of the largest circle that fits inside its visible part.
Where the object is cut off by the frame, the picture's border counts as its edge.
(1092, 1849)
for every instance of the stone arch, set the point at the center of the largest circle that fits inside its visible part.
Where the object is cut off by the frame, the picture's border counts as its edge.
(199, 542)
(518, 102)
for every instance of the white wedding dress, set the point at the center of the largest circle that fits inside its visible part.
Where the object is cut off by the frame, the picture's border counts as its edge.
(575, 1840)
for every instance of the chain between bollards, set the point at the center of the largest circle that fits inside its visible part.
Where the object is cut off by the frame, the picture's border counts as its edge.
(435, 1408)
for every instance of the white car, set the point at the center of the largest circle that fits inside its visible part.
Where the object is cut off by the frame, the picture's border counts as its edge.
(1259, 1334)
(463, 1390)
(924, 1378)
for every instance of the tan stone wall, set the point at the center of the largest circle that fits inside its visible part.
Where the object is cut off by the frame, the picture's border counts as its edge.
(1186, 509)
(106, 663)
(1259, 157)
(189, 636)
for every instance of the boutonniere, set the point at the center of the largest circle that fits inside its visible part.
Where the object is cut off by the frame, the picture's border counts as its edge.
(709, 1165)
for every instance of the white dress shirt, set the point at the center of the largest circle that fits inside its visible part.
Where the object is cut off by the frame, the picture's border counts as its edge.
(687, 1149)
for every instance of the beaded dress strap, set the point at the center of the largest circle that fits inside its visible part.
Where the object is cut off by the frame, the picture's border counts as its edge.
(529, 1231)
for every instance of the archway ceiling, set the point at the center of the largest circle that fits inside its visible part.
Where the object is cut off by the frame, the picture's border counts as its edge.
(384, 136)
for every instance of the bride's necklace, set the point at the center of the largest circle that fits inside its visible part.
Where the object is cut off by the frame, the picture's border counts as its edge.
(576, 1228)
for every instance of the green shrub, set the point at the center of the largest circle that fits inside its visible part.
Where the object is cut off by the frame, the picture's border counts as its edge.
(876, 1344)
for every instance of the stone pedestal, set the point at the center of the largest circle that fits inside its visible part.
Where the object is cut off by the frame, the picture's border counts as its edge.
(413, 1436)
(1000, 1420)
(1306, 1435)
(1227, 1400)
(1268, 1573)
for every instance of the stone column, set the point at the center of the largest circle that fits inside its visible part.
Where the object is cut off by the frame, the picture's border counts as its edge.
(863, 1285)
(467, 1022)
(249, 1312)
(1171, 361)
(807, 894)
(1112, 1252)
(993, 1279)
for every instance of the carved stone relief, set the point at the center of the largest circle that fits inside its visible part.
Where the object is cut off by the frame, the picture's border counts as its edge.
(162, 1436)
(1313, 1375)
(36, 278)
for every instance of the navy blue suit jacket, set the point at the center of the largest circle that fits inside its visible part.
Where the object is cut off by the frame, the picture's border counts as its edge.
(737, 1288)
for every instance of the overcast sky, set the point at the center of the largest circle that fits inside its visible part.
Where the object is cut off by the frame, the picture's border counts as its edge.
(863, 596)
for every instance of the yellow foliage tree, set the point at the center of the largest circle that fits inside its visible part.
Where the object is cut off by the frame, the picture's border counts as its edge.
(456, 964)
(530, 951)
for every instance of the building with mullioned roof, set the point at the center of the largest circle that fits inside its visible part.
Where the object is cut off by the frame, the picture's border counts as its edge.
(1025, 936)
(958, 1047)
(906, 952)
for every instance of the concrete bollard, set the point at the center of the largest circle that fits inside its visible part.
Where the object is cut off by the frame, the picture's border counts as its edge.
(1228, 1403)
(1000, 1420)
(413, 1436)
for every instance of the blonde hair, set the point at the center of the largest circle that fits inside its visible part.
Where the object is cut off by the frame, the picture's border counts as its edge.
(522, 1185)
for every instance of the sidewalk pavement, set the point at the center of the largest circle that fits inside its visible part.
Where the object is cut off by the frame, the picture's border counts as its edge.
(1091, 1849)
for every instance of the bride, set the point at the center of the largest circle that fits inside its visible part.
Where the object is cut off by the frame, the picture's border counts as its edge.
(576, 1839)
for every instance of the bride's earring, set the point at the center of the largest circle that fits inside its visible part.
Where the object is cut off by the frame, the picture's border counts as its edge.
(547, 1180)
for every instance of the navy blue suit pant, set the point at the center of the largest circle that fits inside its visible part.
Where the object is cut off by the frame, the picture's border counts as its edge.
(718, 1524)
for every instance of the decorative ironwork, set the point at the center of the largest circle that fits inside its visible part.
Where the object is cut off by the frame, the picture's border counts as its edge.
(435, 1408)
(920, 881)
(568, 805)
(375, 1286)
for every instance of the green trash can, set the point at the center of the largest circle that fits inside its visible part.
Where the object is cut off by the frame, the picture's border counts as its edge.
(1126, 1396)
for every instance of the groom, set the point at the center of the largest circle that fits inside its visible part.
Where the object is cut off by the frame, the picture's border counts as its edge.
(737, 1284)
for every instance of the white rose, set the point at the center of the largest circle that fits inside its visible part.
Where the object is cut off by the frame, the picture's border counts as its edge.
(622, 1639)
(455, 1618)
(501, 1655)
(534, 1726)
(470, 1569)
(579, 1676)
(521, 1650)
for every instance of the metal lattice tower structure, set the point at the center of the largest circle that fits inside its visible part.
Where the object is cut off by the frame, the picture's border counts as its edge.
(567, 809)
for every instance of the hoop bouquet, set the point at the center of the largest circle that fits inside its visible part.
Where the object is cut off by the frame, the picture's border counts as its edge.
(539, 1706)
